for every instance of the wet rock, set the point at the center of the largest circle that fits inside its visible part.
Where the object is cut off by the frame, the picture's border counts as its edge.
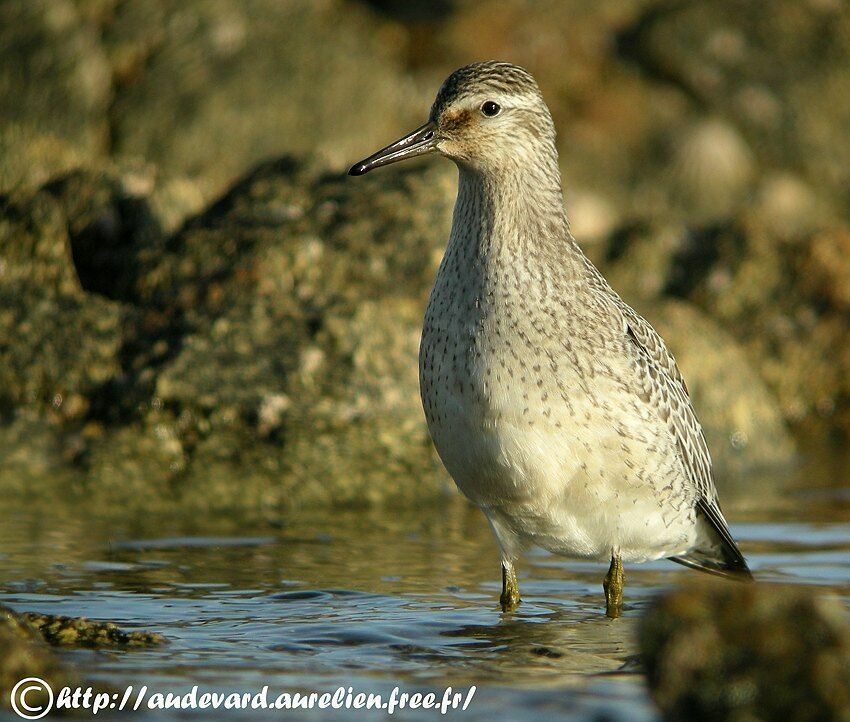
(747, 652)
(23, 653)
(60, 631)
(26, 641)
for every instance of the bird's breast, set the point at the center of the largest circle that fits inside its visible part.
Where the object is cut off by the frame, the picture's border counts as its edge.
(495, 395)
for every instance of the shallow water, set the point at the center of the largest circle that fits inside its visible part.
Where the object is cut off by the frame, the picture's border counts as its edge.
(376, 600)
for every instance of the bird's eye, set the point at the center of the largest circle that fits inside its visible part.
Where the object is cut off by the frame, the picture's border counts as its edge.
(490, 108)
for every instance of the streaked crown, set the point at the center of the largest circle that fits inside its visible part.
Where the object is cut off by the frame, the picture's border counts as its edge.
(492, 76)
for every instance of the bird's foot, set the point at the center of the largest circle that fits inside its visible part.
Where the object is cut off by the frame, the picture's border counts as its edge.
(613, 585)
(509, 598)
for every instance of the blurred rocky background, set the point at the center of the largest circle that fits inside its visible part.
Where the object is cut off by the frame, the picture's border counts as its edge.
(197, 307)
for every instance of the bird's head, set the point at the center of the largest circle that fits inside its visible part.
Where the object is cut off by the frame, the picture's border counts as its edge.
(487, 116)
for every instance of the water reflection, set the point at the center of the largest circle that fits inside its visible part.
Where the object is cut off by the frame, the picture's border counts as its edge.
(377, 599)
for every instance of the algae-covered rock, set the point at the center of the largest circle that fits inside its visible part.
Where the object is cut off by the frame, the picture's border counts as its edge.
(266, 355)
(112, 230)
(61, 631)
(784, 300)
(742, 652)
(34, 245)
(77, 341)
(291, 314)
(23, 653)
(70, 255)
(781, 76)
(207, 89)
(57, 343)
(262, 353)
(66, 251)
(27, 639)
(55, 88)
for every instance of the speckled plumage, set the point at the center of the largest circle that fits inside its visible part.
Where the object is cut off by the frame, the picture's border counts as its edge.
(555, 407)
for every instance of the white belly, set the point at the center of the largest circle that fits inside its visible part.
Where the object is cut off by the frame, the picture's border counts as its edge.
(530, 417)
(572, 478)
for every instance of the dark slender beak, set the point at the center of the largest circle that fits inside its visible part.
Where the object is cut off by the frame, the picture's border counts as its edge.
(421, 141)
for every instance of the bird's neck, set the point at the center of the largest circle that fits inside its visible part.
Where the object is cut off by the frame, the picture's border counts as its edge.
(513, 212)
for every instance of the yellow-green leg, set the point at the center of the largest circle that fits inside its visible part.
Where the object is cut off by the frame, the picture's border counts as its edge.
(613, 585)
(510, 588)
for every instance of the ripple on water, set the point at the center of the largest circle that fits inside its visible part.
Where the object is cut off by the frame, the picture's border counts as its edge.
(407, 599)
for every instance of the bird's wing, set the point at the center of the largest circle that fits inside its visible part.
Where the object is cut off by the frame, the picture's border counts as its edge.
(662, 386)
(647, 338)
(640, 331)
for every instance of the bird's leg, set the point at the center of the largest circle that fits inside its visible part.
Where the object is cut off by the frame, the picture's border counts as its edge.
(613, 586)
(510, 587)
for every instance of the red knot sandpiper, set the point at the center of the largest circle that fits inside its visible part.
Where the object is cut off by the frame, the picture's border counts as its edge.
(555, 407)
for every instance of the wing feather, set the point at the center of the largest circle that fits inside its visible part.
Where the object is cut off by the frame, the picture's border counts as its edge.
(663, 387)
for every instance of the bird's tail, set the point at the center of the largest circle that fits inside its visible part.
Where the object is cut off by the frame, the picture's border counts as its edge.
(718, 553)
(737, 570)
